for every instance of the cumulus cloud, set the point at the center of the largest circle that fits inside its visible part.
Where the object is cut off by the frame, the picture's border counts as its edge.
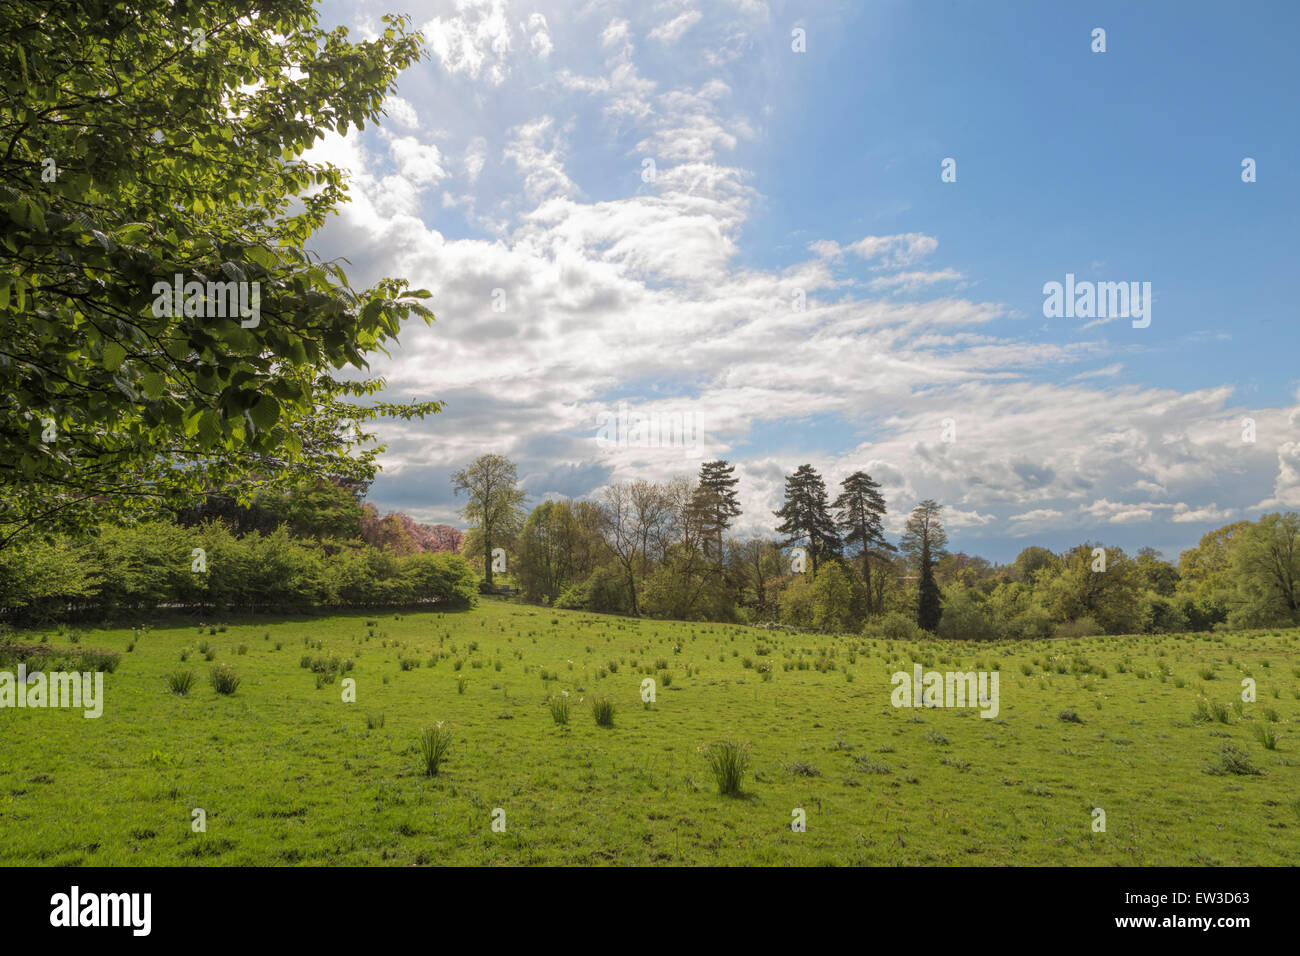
(572, 290)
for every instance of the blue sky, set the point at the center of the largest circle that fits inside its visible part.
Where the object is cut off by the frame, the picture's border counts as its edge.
(513, 159)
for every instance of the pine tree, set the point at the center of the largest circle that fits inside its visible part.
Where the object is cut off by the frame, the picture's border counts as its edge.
(806, 516)
(925, 542)
(715, 504)
(859, 513)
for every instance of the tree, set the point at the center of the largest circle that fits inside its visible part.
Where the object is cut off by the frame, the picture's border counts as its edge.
(495, 505)
(832, 598)
(632, 518)
(924, 542)
(716, 504)
(1032, 560)
(1266, 564)
(153, 140)
(805, 517)
(544, 562)
(758, 564)
(1156, 574)
(859, 513)
(1108, 593)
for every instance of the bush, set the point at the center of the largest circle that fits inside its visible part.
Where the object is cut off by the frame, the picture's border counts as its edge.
(894, 626)
(1083, 627)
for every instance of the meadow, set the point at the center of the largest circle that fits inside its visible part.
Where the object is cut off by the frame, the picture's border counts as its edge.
(1150, 729)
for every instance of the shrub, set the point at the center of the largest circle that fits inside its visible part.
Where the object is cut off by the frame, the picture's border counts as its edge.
(894, 626)
(1070, 717)
(180, 682)
(1083, 627)
(435, 741)
(728, 759)
(223, 678)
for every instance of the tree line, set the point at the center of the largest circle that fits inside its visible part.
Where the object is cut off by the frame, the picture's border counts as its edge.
(315, 547)
(663, 549)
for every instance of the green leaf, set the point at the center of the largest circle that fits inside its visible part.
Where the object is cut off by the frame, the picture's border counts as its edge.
(265, 413)
(114, 353)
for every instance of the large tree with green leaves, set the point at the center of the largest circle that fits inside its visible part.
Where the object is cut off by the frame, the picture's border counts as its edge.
(1266, 566)
(496, 503)
(156, 144)
(924, 541)
(805, 517)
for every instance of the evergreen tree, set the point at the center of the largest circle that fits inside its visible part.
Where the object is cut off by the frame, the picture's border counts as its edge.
(859, 512)
(715, 504)
(805, 515)
(924, 542)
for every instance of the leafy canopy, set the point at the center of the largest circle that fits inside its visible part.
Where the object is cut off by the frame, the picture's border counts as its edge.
(144, 141)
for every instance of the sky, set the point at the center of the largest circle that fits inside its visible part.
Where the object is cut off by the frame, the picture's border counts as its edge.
(824, 232)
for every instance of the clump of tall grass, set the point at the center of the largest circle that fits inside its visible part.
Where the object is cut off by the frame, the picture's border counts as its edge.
(728, 759)
(180, 682)
(1207, 710)
(1266, 735)
(223, 678)
(602, 708)
(461, 682)
(435, 741)
(374, 722)
(560, 709)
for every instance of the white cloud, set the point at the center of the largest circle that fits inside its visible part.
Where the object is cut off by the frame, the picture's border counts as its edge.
(402, 112)
(615, 288)
(672, 31)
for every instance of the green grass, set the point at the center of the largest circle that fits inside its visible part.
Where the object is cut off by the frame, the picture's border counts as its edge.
(289, 773)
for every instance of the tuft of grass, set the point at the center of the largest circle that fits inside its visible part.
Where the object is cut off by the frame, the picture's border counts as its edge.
(461, 682)
(1266, 735)
(728, 759)
(435, 742)
(223, 678)
(1070, 717)
(180, 682)
(801, 769)
(560, 709)
(374, 722)
(1233, 760)
(602, 708)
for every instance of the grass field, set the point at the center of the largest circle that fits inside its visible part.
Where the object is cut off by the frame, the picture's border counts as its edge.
(287, 772)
